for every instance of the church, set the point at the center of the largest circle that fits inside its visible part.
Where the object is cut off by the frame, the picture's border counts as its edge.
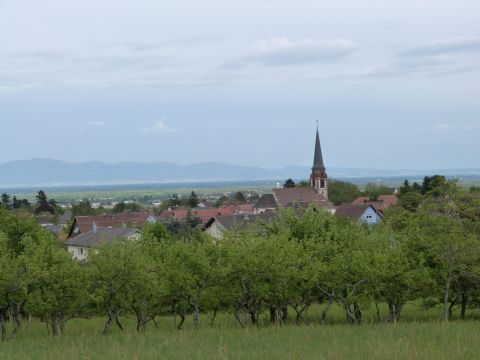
(300, 197)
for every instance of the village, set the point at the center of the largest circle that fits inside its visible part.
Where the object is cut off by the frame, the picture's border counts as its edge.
(81, 234)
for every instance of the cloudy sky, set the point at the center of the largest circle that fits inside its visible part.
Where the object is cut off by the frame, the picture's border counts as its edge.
(393, 84)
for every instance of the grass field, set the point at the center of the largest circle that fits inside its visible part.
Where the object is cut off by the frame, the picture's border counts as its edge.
(419, 336)
(157, 193)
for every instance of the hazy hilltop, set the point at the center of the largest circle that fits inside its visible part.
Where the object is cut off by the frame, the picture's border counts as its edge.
(46, 172)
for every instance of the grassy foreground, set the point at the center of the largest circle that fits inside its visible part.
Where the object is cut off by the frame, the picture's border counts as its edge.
(419, 337)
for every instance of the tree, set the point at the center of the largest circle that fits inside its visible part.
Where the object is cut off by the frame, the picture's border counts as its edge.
(5, 200)
(123, 206)
(240, 197)
(432, 185)
(193, 200)
(289, 184)
(113, 272)
(373, 191)
(56, 284)
(43, 205)
(411, 200)
(12, 287)
(340, 192)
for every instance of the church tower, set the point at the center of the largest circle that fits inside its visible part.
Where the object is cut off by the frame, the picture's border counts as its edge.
(319, 178)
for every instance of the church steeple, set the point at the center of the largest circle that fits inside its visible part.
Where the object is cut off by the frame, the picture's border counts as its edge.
(319, 177)
(318, 158)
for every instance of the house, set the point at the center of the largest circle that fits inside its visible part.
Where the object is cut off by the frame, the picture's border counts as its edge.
(217, 226)
(54, 224)
(316, 194)
(205, 214)
(383, 201)
(83, 224)
(359, 212)
(79, 246)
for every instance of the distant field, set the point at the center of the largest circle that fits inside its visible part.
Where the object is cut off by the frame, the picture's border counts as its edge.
(419, 336)
(164, 191)
(117, 193)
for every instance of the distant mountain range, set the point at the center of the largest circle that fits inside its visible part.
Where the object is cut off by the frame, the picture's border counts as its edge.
(45, 172)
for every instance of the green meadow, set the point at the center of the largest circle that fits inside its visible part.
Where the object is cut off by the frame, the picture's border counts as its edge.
(420, 335)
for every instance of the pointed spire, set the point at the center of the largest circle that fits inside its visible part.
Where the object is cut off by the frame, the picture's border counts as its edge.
(318, 158)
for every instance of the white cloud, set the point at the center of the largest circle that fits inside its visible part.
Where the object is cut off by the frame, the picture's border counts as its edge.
(6, 89)
(158, 127)
(447, 127)
(282, 51)
(96, 123)
(445, 46)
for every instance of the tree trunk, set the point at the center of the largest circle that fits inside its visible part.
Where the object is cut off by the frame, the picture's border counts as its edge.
(117, 321)
(254, 318)
(239, 319)
(182, 320)
(464, 305)
(446, 296)
(358, 314)
(196, 316)
(213, 317)
(379, 315)
(54, 324)
(284, 313)
(273, 315)
(450, 308)
(3, 323)
(108, 324)
(326, 310)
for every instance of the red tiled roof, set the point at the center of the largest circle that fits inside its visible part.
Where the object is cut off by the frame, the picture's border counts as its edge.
(205, 214)
(388, 199)
(383, 203)
(361, 200)
(85, 223)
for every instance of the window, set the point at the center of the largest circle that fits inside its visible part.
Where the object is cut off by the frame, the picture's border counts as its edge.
(81, 251)
(369, 216)
(322, 184)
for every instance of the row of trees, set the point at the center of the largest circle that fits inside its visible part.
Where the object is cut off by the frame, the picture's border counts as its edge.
(429, 254)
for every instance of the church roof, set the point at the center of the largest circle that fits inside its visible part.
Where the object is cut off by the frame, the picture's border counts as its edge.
(266, 201)
(318, 158)
(291, 196)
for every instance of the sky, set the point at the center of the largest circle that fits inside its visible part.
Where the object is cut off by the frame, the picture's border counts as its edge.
(393, 84)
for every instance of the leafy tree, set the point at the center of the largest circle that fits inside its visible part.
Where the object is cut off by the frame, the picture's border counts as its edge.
(123, 206)
(5, 200)
(84, 208)
(411, 200)
(220, 201)
(113, 271)
(373, 191)
(12, 287)
(340, 192)
(43, 204)
(240, 197)
(193, 200)
(56, 285)
(432, 185)
(289, 184)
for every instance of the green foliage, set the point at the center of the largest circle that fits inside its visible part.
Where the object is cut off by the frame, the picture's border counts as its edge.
(411, 200)
(374, 190)
(193, 200)
(240, 197)
(425, 251)
(123, 206)
(340, 192)
(84, 208)
(289, 184)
